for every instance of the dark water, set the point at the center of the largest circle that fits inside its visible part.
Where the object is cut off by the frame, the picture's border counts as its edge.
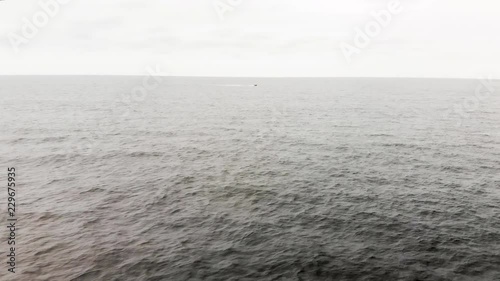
(215, 179)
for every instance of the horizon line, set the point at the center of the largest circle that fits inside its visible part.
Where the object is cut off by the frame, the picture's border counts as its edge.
(262, 77)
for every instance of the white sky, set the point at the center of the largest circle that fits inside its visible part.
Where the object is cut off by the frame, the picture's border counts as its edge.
(429, 38)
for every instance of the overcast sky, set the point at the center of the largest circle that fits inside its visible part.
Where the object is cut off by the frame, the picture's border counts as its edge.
(428, 38)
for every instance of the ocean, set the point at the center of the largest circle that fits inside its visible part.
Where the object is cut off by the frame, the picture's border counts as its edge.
(172, 178)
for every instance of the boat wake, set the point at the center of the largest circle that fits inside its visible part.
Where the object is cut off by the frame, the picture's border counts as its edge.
(235, 85)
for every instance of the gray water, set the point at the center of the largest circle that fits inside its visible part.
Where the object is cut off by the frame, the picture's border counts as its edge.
(216, 179)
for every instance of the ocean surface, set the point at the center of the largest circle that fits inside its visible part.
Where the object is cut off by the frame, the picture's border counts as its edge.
(122, 178)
